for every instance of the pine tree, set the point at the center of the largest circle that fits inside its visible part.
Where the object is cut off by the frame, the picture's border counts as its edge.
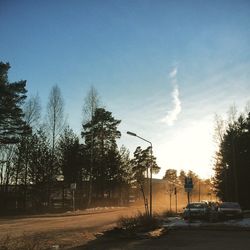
(232, 172)
(12, 96)
(101, 134)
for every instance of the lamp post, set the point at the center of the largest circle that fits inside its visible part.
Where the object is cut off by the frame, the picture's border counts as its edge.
(151, 170)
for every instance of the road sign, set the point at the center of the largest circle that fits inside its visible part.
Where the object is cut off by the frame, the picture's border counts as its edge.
(188, 184)
(73, 186)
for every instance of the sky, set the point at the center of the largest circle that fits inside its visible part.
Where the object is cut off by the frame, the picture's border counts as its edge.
(162, 67)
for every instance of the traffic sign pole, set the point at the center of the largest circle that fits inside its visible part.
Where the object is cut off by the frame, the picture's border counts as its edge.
(188, 188)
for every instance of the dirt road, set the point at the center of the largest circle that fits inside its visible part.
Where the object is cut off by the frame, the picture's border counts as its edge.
(80, 231)
(71, 230)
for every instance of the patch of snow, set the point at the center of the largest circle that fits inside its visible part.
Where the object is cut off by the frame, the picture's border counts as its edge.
(240, 223)
(176, 222)
(102, 208)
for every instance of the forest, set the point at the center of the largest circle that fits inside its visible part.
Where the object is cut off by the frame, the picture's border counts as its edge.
(232, 160)
(43, 161)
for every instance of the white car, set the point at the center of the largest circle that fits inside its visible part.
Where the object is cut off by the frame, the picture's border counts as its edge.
(230, 210)
(196, 210)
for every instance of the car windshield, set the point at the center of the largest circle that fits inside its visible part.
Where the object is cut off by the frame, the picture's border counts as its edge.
(196, 205)
(229, 205)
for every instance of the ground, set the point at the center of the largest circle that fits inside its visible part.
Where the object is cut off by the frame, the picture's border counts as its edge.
(178, 240)
(177, 234)
(91, 229)
(66, 230)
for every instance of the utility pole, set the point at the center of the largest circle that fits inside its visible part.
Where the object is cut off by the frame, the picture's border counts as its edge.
(175, 192)
(151, 177)
(170, 200)
(199, 190)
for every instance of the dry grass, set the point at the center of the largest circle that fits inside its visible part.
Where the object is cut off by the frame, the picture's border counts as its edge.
(139, 223)
(168, 213)
(21, 243)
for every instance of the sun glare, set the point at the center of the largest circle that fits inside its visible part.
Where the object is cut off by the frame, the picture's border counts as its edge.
(190, 148)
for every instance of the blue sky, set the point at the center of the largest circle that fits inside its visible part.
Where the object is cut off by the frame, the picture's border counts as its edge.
(163, 67)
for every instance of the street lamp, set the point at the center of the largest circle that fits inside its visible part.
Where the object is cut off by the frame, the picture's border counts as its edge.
(151, 170)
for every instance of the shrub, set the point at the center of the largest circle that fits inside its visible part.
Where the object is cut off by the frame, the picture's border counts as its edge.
(169, 213)
(138, 223)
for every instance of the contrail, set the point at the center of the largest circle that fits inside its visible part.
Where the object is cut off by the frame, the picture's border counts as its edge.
(172, 115)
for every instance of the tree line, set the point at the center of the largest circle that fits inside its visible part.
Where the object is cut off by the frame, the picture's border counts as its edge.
(202, 188)
(232, 165)
(39, 157)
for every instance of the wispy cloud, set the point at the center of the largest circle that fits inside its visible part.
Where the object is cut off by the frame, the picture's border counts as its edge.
(173, 73)
(172, 114)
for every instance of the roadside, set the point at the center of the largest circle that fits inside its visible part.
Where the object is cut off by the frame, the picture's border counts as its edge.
(177, 240)
(234, 224)
(65, 230)
(68, 213)
(94, 229)
(177, 234)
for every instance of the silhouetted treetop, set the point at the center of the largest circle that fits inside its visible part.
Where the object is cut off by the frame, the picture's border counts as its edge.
(12, 96)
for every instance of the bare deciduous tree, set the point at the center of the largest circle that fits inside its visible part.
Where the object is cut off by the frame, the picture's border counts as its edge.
(232, 114)
(32, 114)
(55, 115)
(219, 129)
(32, 111)
(56, 123)
(247, 108)
(91, 103)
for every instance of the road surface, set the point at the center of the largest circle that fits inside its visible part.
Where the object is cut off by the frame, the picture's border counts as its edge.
(64, 230)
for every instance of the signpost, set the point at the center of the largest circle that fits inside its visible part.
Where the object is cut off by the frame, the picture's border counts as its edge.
(175, 192)
(73, 188)
(188, 187)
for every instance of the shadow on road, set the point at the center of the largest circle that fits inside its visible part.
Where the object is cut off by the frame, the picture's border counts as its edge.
(174, 240)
